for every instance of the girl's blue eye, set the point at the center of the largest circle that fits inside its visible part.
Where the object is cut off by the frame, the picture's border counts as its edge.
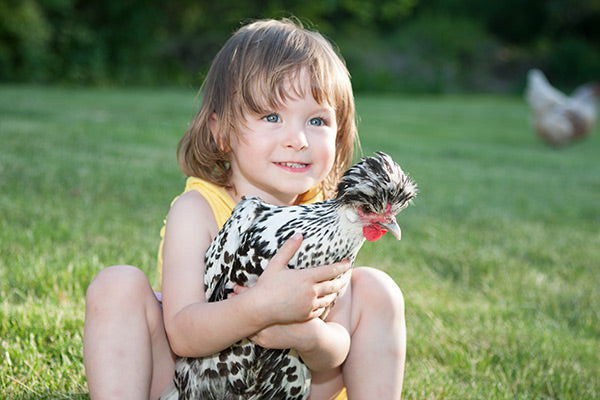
(272, 118)
(316, 122)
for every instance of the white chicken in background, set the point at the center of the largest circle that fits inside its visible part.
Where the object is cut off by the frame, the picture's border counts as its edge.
(557, 118)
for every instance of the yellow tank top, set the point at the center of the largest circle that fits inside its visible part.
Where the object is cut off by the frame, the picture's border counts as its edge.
(342, 395)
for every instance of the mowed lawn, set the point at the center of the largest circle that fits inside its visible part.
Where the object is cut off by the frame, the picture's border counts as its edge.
(499, 261)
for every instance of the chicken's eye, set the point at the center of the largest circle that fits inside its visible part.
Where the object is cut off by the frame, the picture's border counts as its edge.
(367, 209)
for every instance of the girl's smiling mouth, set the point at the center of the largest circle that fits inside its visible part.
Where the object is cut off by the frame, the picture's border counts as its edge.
(293, 166)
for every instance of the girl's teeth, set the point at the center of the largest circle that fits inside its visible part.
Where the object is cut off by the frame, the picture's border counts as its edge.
(293, 165)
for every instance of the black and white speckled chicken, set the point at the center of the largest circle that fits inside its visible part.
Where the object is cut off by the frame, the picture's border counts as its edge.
(369, 196)
(557, 118)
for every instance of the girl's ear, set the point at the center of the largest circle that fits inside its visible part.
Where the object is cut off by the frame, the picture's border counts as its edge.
(212, 123)
(217, 135)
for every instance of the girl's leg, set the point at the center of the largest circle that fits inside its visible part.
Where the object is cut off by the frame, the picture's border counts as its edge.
(374, 368)
(372, 309)
(125, 347)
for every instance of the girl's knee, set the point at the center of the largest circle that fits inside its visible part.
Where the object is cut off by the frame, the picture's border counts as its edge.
(377, 290)
(117, 283)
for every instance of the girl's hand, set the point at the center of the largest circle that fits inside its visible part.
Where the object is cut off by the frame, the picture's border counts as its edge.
(286, 295)
(283, 336)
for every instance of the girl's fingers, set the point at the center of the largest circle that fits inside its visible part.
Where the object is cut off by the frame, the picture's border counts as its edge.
(238, 289)
(328, 272)
(332, 286)
(326, 301)
(286, 252)
(317, 313)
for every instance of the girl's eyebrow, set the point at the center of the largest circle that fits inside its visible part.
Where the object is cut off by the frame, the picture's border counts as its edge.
(327, 108)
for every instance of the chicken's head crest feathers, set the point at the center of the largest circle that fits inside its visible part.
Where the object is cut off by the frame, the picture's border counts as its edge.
(378, 182)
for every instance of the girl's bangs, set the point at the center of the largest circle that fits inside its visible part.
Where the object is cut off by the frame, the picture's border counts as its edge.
(269, 91)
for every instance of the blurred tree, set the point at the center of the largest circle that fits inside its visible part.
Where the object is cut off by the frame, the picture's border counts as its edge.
(560, 36)
(104, 41)
(434, 45)
(24, 40)
(198, 28)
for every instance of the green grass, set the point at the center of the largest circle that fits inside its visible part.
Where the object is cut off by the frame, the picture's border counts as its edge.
(499, 261)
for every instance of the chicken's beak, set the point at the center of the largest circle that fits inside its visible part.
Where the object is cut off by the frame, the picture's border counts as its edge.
(392, 227)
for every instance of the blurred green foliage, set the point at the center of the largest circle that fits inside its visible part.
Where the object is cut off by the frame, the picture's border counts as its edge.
(390, 45)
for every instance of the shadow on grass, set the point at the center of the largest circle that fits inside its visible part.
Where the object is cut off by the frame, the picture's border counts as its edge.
(53, 396)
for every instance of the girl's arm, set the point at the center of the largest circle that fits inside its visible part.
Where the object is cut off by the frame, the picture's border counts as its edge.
(197, 328)
(322, 345)
(194, 327)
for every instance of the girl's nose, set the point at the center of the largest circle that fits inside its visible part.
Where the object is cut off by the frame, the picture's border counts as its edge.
(296, 138)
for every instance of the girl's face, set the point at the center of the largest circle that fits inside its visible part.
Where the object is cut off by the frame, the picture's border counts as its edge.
(286, 152)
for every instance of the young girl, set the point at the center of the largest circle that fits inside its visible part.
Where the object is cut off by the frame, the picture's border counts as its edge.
(277, 121)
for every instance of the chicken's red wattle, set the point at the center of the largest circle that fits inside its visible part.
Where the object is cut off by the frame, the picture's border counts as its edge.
(373, 232)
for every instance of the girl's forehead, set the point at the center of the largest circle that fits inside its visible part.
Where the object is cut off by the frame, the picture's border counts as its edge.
(299, 86)
(294, 86)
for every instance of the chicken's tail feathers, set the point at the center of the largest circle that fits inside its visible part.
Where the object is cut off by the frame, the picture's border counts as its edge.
(540, 94)
(589, 92)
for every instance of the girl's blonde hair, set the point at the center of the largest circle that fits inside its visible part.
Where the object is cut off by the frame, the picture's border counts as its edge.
(251, 75)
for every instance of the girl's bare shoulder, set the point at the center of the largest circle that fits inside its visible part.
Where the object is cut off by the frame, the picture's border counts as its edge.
(191, 208)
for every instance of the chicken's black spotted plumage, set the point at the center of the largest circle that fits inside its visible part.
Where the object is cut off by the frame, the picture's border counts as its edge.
(332, 231)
